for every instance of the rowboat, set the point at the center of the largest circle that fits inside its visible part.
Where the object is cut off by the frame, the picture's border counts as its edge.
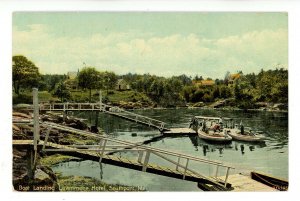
(248, 136)
(210, 129)
(214, 136)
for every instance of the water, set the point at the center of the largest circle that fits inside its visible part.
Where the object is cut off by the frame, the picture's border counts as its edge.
(269, 157)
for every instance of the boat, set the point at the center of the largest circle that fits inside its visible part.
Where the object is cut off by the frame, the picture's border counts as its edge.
(214, 136)
(248, 137)
(210, 129)
(241, 133)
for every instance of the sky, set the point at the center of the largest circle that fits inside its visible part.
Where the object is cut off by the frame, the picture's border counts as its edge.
(161, 43)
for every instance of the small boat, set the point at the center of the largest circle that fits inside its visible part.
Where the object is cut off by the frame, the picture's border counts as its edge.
(248, 136)
(209, 128)
(241, 133)
(214, 136)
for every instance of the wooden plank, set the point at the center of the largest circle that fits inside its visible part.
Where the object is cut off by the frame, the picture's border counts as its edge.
(124, 162)
(180, 131)
(245, 183)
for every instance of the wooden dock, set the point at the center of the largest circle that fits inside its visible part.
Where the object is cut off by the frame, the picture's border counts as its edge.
(125, 163)
(108, 109)
(243, 183)
(179, 131)
(178, 162)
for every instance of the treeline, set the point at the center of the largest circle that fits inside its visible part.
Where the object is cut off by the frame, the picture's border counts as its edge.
(26, 75)
(166, 92)
(244, 91)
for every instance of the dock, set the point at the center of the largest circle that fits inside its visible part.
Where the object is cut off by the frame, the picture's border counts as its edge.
(171, 164)
(177, 166)
(179, 131)
(107, 109)
(244, 183)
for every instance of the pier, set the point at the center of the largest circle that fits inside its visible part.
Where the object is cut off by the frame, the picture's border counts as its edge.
(108, 109)
(171, 164)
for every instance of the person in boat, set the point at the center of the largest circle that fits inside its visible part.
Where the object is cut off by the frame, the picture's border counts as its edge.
(204, 126)
(221, 123)
(194, 123)
(216, 128)
(242, 130)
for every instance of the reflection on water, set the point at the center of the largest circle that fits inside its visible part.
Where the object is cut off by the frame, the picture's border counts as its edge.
(270, 156)
(234, 145)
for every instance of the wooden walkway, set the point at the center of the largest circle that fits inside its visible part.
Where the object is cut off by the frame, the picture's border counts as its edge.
(179, 131)
(101, 152)
(125, 163)
(111, 110)
(242, 183)
(178, 162)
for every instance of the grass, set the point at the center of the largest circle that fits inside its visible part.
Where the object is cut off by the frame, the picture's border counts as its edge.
(55, 159)
(74, 139)
(112, 96)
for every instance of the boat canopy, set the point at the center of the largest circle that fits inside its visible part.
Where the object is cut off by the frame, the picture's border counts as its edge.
(214, 118)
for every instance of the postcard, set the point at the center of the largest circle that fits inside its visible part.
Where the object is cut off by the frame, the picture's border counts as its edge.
(150, 101)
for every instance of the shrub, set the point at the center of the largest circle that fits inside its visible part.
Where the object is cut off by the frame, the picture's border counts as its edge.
(22, 98)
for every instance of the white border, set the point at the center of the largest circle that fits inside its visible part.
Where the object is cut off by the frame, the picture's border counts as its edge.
(6, 9)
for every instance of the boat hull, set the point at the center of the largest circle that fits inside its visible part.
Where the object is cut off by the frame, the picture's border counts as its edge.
(248, 138)
(214, 138)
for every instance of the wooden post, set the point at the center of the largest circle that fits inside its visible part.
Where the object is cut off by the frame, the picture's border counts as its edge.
(217, 169)
(186, 165)
(178, 163)
(141, 153)
(47, 136)
(100, 99)
(30, 166)
(146, 161)
(227, 174)
(64, 115)
(36, 125)
(102, 151)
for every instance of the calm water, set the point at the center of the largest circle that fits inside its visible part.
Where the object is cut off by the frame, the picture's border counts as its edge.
(270, 157)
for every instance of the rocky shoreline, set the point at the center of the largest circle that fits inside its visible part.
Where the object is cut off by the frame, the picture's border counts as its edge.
(218, 105)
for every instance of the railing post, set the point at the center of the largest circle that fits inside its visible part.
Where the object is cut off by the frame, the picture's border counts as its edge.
(178, 163)
(47, 136)
(140, 157)
(186, 165)
(36, 125)
(217, 169)
(102, 151)
(100, 99)
(227, 174)
(146, 161)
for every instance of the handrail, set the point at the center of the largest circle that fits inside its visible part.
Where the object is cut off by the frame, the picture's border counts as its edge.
(98, 104)
(172, 153)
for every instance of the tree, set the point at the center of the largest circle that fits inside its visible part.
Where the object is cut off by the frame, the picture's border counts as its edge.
(109, 80)
(61, 91)
(88, 78)
(25, 73)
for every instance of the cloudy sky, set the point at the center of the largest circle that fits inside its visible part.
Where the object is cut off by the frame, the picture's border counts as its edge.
(166, 44)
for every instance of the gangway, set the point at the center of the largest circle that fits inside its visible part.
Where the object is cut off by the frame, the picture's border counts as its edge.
(108, 109)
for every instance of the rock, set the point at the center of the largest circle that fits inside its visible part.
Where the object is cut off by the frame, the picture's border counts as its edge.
(41, 177)
(19, 114)
(16, 128)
